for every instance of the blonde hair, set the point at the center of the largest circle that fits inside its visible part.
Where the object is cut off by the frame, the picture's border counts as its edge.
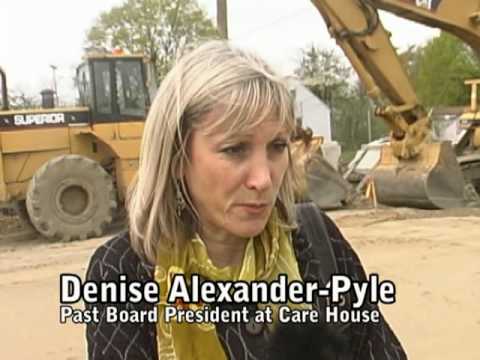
(213, 74)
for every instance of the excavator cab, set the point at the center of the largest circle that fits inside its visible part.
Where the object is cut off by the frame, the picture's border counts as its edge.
(113, 87)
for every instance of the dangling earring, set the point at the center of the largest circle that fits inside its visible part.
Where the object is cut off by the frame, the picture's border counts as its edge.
(180, 200)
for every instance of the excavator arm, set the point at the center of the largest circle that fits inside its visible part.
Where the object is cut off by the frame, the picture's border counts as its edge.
(412, 171)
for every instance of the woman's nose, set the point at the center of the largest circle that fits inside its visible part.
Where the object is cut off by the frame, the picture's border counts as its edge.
(259, 174)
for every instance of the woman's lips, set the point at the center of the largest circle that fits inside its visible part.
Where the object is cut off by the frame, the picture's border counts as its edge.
(254, 209)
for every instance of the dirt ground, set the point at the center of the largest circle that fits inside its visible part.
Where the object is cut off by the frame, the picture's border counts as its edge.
(432, 256)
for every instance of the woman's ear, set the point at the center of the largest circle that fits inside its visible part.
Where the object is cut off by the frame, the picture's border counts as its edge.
(182, 158)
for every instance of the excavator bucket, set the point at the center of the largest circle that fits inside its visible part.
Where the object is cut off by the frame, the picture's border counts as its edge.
(321, 183)
(325, 186)
(433, 180)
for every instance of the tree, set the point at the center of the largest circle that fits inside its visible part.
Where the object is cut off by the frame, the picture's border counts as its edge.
(439, 69)
(326, 74)
(157, 28)
(410, 60)
(353, 126)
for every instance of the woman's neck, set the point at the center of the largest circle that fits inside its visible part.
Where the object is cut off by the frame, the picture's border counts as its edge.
(224, 249)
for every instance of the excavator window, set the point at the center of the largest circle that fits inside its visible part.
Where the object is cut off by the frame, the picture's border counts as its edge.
(83, 83)
(130, 88)
(113, 88)
(103, 87)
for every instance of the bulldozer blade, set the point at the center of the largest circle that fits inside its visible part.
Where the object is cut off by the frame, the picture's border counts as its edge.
(325, 186)
(433, 180)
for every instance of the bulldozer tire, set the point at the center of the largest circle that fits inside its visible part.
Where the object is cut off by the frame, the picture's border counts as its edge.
(71, 197)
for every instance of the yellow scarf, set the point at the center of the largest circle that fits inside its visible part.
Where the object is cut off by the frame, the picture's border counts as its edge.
(266, 256)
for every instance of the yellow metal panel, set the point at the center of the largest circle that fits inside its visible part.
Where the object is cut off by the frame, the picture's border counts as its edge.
(126, 149)
(12, 166)
(469, 116)
(34, 140)
(35, 160)
(80, 143)
(21, 167)
(476, 138)
(84, 142)
(17, 191)
(3, 188)
(130, 130)
(106, 132)
(125, 171)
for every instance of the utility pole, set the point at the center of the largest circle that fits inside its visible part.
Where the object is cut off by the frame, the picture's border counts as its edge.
(53, 67)
(222, 22)
(369, 122)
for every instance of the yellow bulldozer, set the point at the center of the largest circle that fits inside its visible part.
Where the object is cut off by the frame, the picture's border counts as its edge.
(72, 166)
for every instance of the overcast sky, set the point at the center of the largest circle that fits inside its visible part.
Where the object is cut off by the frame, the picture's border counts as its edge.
(36, 34)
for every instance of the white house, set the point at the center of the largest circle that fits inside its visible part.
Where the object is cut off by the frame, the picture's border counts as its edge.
(311, 112)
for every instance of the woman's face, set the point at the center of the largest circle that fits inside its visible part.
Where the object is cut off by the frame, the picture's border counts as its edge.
(234, 181)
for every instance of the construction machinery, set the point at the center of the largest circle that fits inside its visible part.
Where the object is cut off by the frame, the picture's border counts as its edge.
(318, 179)
(468, 143)
(413, 170)
(67, 169)
(72, 165)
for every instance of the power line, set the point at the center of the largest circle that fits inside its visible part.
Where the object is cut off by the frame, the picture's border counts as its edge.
(273, 22)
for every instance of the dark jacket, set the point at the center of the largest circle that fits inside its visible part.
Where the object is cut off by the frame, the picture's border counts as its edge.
(364, 341)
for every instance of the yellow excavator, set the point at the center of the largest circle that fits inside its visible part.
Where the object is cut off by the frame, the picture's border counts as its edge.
(413, 170)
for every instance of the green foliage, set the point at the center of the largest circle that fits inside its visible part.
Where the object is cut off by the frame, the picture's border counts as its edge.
(410, 60)
(324, 72)
(439, 69)
(352, 127)
(328, 77)
(158, 28)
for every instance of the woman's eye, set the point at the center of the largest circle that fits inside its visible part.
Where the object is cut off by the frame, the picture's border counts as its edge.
(234, 149)
(280, 146)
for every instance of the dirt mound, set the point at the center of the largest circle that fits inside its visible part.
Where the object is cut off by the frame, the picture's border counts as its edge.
(367, 215)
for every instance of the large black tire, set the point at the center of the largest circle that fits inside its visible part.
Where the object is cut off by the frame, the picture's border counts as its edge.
(71, 197)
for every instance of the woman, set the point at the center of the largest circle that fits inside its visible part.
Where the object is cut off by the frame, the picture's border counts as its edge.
(214, 197)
